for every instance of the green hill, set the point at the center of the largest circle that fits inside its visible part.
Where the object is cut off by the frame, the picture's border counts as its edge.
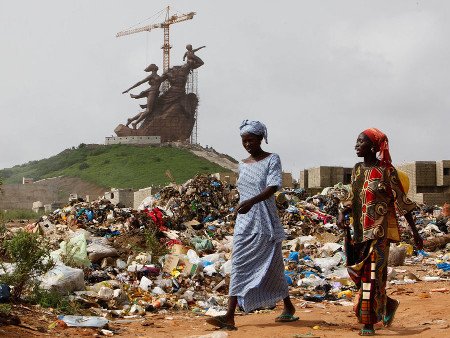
(119, 166)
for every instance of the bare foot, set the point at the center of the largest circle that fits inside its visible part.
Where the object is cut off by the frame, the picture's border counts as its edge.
(289, 308)
(222, 322)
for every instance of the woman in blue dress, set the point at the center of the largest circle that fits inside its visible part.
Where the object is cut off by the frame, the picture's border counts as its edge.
(257, 274)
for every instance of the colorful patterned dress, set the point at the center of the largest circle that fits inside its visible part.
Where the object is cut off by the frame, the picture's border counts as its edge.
(376, 196)
(257, 273)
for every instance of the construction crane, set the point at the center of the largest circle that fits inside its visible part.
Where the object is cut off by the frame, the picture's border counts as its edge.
(170, 20)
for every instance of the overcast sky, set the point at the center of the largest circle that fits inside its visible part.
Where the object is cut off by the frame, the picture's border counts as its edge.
(316, 72)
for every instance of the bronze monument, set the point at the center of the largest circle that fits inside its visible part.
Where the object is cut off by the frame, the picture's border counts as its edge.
(170, 115)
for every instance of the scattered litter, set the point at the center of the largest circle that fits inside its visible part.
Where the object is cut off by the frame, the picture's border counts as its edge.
(174, 252)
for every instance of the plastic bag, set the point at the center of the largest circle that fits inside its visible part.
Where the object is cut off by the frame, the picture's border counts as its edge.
(63, 279)
(74, 250)
(84, 321)
(99, 249)
(328, 263)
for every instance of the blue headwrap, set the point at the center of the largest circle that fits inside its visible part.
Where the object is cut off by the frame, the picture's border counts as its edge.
(254, 127)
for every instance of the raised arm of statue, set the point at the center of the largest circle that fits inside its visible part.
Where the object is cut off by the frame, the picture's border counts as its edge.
(137, 84)
(193, 60)
(197, 49)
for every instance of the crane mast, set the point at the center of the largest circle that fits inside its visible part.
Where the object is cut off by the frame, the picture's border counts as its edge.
(169, 20)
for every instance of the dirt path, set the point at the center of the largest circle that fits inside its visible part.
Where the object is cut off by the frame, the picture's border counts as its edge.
(422, 313)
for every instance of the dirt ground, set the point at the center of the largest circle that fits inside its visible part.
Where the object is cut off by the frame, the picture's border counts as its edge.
(423, 312)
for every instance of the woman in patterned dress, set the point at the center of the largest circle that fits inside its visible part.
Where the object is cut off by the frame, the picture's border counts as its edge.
(257, 274)
(377, 196)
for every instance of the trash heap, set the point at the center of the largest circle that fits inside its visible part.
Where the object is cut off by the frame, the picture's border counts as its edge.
(174, 252)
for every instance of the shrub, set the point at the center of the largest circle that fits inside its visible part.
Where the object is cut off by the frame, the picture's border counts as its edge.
(31, 258)
(6, 173)
(53, 299)
(153, 244)
(83, 166)
(5, 309)
(21, 214)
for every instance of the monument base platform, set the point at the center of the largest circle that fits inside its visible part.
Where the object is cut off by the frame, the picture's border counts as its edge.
(133, 140)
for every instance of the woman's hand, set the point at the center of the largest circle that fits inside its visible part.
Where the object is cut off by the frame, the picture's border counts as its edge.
(341, 220)
(245, 206)
(418, 240)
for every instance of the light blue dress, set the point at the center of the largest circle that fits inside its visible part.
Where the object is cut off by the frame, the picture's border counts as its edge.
(257, 273)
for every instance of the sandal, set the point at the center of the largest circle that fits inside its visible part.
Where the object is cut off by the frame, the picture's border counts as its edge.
(367, 332)
(387, 320)
(284, 318)
(220, 322)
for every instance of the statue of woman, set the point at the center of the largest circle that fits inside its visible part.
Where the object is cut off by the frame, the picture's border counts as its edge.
(154, 80)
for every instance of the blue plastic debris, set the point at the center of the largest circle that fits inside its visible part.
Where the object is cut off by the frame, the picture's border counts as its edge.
(422, 253)
(208, 219)
(5, 293)
(444, 266)
(292, 210)
(293, 256)
(309, 273)
(288, 277)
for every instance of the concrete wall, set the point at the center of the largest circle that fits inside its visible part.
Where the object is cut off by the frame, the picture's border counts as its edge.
(443, 173)
(314, 177)
(142, 194)
(122, 196)
(133, 140)
(425, 174)
(303, 179)
(57, 189)
(431, 198)
(429, 183)
(22, 196)
(325, 176)
(287, 181)
(347, 175)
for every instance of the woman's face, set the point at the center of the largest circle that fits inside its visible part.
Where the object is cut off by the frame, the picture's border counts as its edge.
(363, 145)
(251, 142)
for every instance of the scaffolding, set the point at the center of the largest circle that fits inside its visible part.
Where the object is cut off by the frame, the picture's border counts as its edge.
(192, 87)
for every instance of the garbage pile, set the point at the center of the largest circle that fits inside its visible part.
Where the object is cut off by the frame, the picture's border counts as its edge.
(174, 252)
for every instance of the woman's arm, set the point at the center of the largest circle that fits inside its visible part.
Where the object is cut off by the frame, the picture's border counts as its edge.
(197, 49)
(136, 84)
(341, 217)
(246, 205)
(417, 239)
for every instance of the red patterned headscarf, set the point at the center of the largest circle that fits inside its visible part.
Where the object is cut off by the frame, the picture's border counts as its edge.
(381, 144)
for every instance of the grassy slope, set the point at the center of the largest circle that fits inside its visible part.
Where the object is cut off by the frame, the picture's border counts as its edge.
(120, 166)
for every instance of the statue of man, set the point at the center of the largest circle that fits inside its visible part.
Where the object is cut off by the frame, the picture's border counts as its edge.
(154, 80)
